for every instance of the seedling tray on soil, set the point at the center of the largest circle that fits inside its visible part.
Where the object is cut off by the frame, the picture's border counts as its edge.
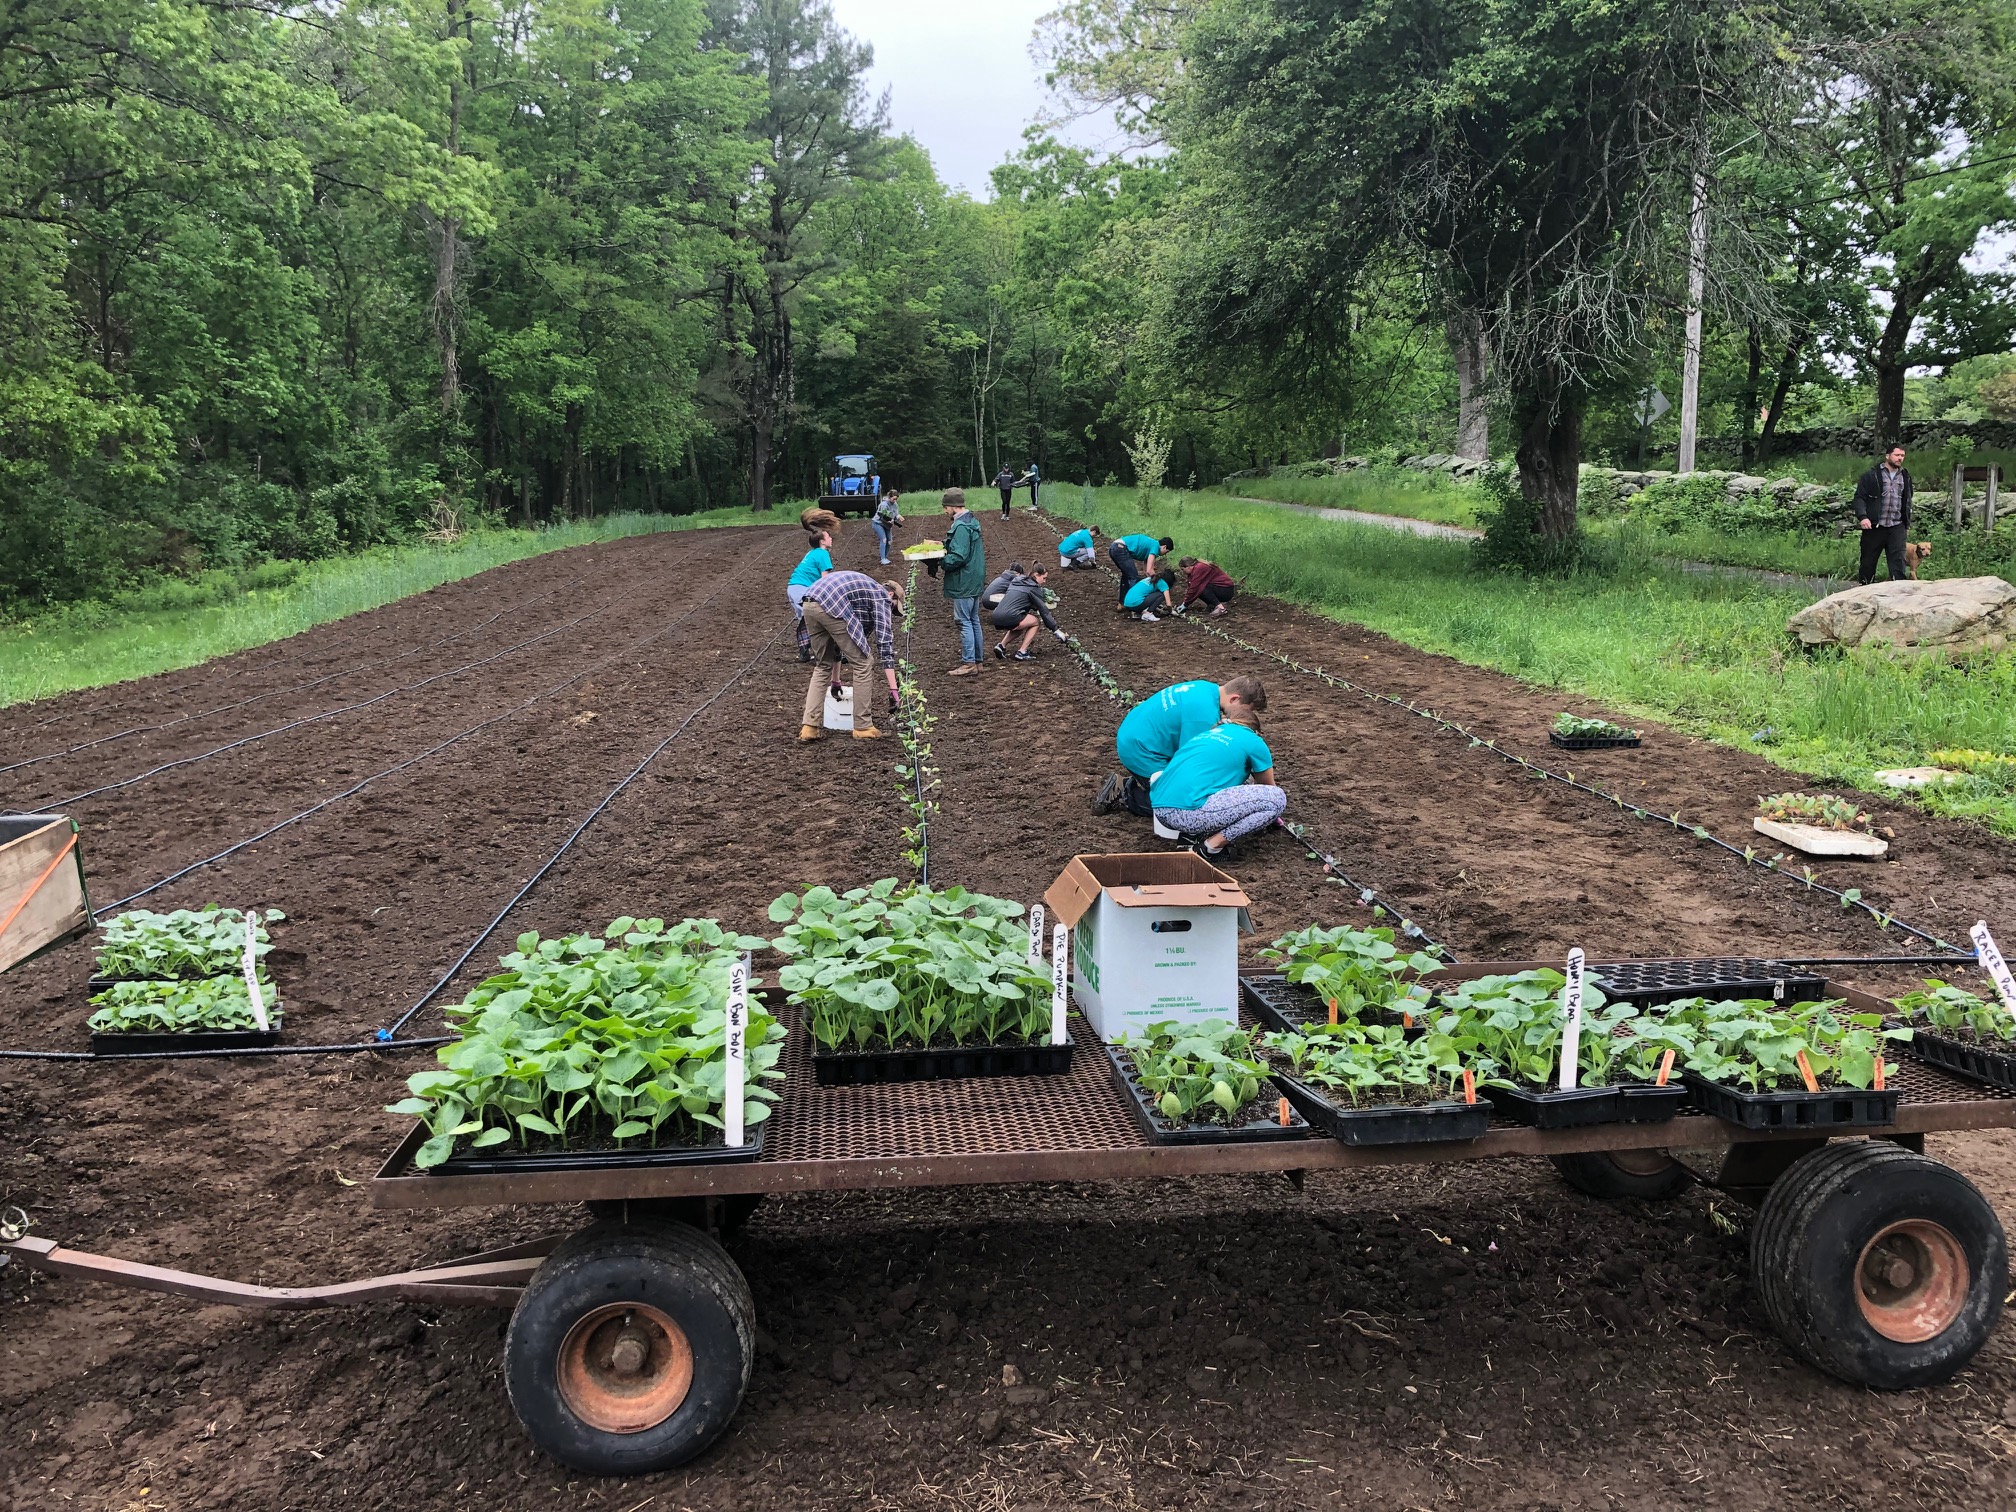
(1262, 1123)
(1992, 1068)
(1386, 1123)
(860, 1068)
(152, 1042)
(608, 1158)
(1834, 1108)
(1590, 742)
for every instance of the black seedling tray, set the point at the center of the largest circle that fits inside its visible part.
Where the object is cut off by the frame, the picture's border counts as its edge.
(1590, 742)
(98, 984)
(1651, 983)
(149, 1042)
(1264, 1123)
(1841, 1108)
(1992, 1068)
(1387, 1124)
(1292, 1007)
(1576, 1108)
(860, 1068)
(711, 1153)
(1646, 1102)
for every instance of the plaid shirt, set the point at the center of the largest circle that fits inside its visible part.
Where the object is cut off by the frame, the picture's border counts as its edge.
(1892, 510)
(862, 605)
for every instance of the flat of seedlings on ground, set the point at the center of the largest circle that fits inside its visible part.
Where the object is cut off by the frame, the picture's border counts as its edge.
(1470, 1335)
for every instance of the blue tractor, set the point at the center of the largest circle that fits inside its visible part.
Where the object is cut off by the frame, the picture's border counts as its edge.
(854, 486)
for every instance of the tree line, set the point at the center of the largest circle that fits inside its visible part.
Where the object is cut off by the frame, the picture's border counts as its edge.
(284, 280)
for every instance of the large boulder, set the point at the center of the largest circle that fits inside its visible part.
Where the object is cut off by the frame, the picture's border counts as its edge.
(1950, 615)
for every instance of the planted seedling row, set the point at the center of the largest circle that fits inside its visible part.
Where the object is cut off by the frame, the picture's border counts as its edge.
(184, 981)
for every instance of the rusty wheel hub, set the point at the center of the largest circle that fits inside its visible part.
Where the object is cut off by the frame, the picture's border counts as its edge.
(1912, 1281)
(625, 1368)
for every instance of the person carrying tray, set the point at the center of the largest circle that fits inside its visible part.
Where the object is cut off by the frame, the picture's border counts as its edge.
(1076, 553)
(1025, 606)
(1220, 786)
(1135, 556)
(964, 569)
(1159, 726)
(852, 621)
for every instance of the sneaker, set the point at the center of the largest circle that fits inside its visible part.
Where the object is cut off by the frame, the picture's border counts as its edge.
(1148, 617)
(1023, 656)
(867, 732)
(1217, 611)
(809, 733)
(1002, 652)
(1109, 793)
(1198, 847)
(805, 654)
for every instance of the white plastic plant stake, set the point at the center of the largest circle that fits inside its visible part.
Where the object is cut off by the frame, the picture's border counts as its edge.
(252, 972)
(1060, 981)
(1571, 1031)
(738, 1024)
(1035, 933)
(1990, 955)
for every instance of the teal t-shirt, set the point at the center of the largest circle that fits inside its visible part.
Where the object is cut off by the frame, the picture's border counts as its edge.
(1222, 757)
(1143, 590)
(1078, 540)
(1160, 725)
(1140, 547)
(814, 565)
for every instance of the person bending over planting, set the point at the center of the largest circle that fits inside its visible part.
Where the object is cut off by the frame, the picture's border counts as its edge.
(965, 573)
(1141, 599)
(812, 566)
(1206, 583)
(852, 621)
(1076, 553)
(1024, 606)
(1205, 792)
(1159, 726)
(1135, 557)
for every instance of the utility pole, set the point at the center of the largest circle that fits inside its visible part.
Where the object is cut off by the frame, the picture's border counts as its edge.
(1697, 278)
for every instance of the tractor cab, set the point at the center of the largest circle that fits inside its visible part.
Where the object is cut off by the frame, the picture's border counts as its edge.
(854, 486)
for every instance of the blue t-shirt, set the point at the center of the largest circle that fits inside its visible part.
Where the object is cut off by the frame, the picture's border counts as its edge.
(1160, 725)
(1143, 589)
(1140, 547)
(814, 565)
(1078, 540)
(1222, 757)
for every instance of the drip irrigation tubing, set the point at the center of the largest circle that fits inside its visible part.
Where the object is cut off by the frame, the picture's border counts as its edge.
(294, 724)
(412, 761)
(386, 1035)
(302, 687)
(386, 1039)
(1303, 834)
(1748, 855)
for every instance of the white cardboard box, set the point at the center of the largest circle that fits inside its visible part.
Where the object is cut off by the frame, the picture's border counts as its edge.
(1816, 841)
(1153, 938)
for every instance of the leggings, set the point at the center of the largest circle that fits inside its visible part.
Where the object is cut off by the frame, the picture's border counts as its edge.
(1125, 565)
(1238, 811)
(796, 593)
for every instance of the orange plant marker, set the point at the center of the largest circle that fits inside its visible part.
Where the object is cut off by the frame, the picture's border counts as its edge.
(1469, 1085)
(1879, 1072)
(1665, 1068)
(1284, 1112)
(1407, 1020)
(1333, 1012)
(1806, 1070)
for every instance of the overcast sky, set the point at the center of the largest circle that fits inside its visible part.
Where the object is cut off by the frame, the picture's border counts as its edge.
(959, 74)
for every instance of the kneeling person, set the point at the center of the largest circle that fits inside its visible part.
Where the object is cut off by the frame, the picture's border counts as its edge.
(1076, 553)
(1140, 600)
(1024, 606)
(1159, 726)
(851, 620)
(1204, 792)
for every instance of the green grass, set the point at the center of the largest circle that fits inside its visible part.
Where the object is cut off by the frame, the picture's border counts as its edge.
(1768, 551)
(1373, 490)
(1707, 654)
(175, 625)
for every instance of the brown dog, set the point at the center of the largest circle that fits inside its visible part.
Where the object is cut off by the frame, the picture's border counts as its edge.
(1914, 553)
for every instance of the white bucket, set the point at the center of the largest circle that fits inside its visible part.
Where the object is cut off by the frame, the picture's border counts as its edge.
(840, 709)
(1163, 832)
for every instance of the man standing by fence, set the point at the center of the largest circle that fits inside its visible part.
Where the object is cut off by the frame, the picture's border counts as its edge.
(1883, 510)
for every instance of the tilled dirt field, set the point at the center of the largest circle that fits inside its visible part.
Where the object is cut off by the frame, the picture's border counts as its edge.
(1473, 1336)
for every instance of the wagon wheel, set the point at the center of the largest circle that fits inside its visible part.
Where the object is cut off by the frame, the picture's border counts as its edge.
(1646, 1174)
(631, 1348)
(1878, 1265)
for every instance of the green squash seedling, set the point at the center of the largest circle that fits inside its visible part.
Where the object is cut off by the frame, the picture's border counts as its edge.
(211, 1005)
(191, 942)
(1955, 1010)
(1204, 1072)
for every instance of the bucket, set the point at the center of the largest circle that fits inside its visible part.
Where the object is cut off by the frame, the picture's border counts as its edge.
(840, 709)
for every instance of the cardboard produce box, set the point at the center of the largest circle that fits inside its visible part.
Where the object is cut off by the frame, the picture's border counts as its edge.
(1153, 938)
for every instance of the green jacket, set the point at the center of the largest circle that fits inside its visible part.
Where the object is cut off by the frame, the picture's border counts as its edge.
(965, 566)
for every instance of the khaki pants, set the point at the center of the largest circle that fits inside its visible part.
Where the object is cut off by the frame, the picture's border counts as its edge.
(833, 647)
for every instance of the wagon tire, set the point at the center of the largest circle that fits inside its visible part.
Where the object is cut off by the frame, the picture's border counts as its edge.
(1878, 1265)
(631, 1348)
(1645, 1174)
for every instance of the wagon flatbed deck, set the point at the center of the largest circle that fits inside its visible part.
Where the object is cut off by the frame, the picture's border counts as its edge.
(1076, 1127)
